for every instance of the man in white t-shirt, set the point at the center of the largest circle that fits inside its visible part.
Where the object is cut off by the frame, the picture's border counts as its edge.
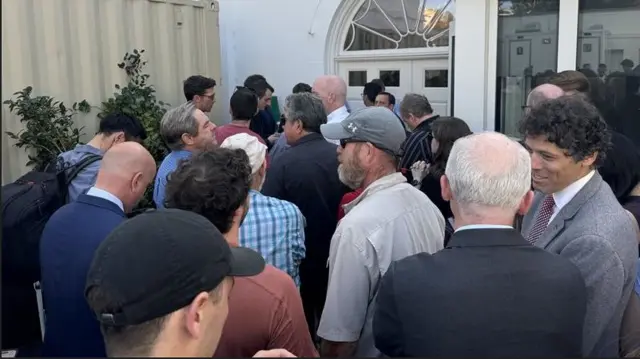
(388, 221)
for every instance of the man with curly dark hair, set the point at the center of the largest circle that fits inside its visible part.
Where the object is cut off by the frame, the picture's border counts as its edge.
(215, 184)
(575, 214)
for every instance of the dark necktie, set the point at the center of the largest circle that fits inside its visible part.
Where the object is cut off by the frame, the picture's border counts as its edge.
(544, 215)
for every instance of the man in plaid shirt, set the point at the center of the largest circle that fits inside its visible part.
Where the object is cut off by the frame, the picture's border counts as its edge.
(273, 227)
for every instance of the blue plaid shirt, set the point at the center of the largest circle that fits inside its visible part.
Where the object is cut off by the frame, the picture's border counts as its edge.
(275, 229)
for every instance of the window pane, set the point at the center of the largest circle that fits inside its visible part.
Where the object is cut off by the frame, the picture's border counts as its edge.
(527, 55)
(436, 78)
(400, 24)
(357, 78)
(609, 55)
(391, 78)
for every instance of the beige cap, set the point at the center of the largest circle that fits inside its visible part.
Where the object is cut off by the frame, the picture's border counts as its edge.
(256, 151)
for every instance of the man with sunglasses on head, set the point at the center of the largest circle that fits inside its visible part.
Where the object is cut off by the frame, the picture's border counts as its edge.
(388, 221)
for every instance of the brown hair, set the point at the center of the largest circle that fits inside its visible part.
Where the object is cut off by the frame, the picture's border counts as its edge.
(570, 80)
(446, 130)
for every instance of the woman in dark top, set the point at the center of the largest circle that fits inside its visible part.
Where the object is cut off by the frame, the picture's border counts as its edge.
(444, 131)
(621, 170)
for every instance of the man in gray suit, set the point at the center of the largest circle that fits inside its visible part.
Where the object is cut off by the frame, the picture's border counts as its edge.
(576, 215)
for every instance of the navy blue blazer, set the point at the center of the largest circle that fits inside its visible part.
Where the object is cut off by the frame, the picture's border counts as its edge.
(68, 243)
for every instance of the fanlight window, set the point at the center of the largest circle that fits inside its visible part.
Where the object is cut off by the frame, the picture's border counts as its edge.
(400, 24)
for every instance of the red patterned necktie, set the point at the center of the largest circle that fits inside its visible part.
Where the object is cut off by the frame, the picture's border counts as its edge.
(544, 215)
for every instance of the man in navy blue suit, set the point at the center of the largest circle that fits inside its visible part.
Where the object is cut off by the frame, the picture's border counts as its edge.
(70, 239)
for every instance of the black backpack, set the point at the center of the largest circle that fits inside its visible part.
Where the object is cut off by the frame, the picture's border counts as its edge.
(27, 205)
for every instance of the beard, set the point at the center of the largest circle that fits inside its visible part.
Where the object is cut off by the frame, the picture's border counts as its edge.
(351, 173)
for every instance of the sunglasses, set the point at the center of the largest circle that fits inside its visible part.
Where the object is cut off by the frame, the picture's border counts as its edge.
(345, 141)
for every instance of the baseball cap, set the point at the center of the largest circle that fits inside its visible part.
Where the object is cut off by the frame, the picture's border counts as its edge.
(158, 262)
(377, 125)
(256, 151)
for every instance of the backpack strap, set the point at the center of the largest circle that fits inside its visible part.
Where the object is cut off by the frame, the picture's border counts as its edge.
(82, 164)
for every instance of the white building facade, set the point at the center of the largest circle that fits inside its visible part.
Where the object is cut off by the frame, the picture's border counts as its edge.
(473, 59)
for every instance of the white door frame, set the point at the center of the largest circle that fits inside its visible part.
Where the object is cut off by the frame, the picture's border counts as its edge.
(476, 38)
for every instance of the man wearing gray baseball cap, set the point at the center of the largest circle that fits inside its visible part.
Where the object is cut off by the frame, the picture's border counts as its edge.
(388, 221)
(376, 125)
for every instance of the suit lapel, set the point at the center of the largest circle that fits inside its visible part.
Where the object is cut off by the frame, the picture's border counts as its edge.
(569, 211)
(530, 217)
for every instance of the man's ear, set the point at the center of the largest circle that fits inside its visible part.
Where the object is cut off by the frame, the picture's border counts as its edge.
(445, 191)
(589, 160)
(526, 203)
(263, 169)
(194, 314)
(187, 139)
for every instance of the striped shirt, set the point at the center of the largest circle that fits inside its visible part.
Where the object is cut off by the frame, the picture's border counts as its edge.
(168, 165)
(417, 147)
(275, 229)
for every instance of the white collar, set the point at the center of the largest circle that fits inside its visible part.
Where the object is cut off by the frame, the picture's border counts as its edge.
(100, 193)
(561, 198)
(378, 185)
(338, 114)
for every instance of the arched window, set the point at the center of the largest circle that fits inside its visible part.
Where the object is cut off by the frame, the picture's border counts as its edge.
(400, 24)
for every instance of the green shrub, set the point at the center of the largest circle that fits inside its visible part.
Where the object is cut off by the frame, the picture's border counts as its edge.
(48, 126)
(138, 99)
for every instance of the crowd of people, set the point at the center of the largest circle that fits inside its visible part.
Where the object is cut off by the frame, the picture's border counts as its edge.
(387, 230)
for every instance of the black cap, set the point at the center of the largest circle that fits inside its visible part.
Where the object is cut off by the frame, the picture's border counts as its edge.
(158, 262)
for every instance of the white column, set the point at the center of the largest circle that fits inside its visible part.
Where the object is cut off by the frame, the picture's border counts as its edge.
(473, 64)
(568, 34)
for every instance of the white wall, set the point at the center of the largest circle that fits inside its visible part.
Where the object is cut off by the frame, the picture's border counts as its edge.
(474, 69)
(286, 41)
(283, 40)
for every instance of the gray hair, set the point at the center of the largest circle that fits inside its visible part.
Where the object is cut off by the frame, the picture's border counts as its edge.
(176, 122)
(307, 108)
(488, 170)
(415, 104)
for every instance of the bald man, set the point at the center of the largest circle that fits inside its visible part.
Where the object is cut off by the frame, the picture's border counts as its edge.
(542, 93)
(333, 92)
(70, 239)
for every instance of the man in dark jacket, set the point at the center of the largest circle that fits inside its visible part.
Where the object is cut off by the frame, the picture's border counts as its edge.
(263, 123)
(70, 239)
(489, 293)
(307, 175)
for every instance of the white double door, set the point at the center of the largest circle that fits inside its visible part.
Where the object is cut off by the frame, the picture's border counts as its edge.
(429, 77)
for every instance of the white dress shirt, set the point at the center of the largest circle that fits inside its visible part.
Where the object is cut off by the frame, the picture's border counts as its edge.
(337, 115)
(483, 226)
(561, 198)
(100, 193)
